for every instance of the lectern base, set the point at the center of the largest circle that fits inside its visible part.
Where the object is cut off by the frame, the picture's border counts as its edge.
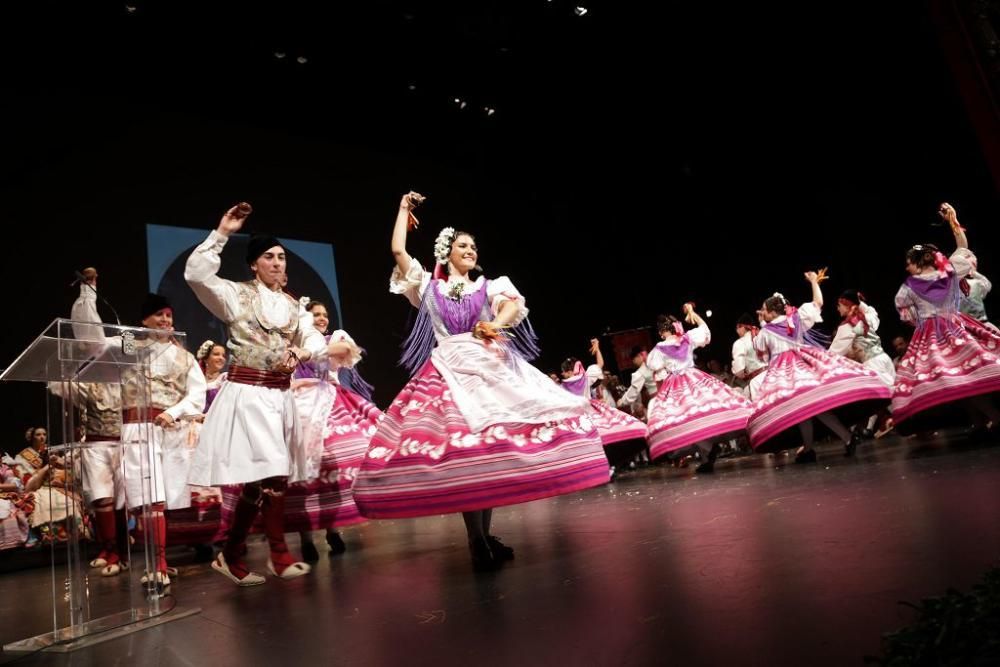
(98, 630)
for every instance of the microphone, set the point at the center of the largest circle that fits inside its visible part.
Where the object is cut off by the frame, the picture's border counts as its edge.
(79, 279)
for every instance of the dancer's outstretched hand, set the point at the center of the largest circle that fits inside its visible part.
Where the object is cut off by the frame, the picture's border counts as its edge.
(410, 201)
(233, 219)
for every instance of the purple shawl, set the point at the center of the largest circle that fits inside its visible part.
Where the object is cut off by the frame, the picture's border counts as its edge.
(458, 316)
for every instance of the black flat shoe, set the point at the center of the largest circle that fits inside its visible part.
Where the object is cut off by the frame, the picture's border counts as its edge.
(310, 553)
(499, 549)
(808, 456)
(852, 445)
(337, 545)
(483, 559)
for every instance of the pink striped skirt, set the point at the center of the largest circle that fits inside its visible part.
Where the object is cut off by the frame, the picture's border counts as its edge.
(423, 459)
(691, 407)
(805, 382)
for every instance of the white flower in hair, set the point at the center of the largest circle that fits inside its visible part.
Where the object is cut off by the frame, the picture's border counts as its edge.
(205, 348)
(304, 301)
(442, 245)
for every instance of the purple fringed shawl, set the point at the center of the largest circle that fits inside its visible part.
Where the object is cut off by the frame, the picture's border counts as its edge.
(577, 384)
(349, 378)
(577, 387)
(306, 371)
(210, 395)
(461, 315)
(938, 291)
(458, 317)
(678, 352)
(311, 369)
(797, 335)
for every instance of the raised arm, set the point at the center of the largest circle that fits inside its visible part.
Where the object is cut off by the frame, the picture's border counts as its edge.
(404, 217)
(85, 310)
(87, 327)
(817, 294)
(595, 350)
(701, 335)
(691, 317)
(950, 216)
(202, 268)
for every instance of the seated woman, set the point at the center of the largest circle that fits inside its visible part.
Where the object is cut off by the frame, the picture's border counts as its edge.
(53, 503)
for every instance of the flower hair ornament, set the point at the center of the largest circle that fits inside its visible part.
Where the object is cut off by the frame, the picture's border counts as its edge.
(205, 348)
(941, 263)
(442, 245)
(790, 310)
(442, 248)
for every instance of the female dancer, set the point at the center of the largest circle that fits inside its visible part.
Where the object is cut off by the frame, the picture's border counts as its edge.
(804, 380)
(951, 356)
(477, 426)
(691, 407)
(857, 338)
(337, 425)
(212, 359)
(612, 424)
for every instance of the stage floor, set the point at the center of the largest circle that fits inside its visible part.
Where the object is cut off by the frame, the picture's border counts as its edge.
(764, 562)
